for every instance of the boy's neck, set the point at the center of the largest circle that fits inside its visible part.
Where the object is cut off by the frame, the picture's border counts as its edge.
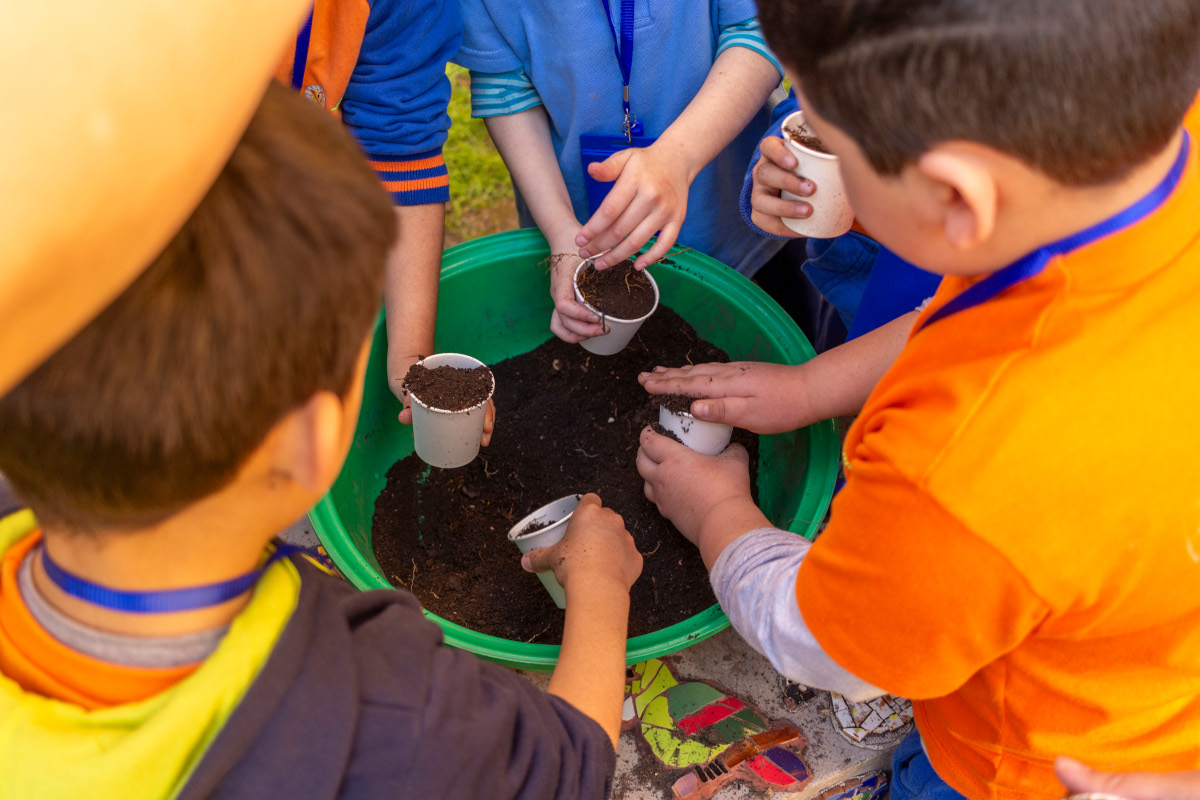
(209, 542)
(1077, 209)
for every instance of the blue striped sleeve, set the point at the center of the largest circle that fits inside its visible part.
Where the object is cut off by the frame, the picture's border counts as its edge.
(747, 33)
(498, 94)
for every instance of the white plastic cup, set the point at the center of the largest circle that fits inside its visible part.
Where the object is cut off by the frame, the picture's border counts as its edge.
(709, 438)
(620, 331)
(831, 212)
(444, 438)
(558, 514)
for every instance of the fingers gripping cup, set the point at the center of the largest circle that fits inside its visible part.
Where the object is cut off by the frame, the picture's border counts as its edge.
(620, 279)
(831, 212)
(448, 412)
(709, 438)
(545, 528)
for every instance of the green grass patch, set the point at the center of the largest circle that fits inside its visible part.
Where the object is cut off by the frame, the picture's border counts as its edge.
(480, 191)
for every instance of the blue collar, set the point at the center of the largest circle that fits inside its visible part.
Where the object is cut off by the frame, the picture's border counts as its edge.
(1035, 262)
(163, 601)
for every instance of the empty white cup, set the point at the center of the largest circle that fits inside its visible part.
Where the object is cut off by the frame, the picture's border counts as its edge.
(620, 331)
(709, 438)
(444, 438)
(556, 516)
(831, 212)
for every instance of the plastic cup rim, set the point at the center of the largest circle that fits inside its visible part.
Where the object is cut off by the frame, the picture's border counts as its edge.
(610, 317)
(516, 534)
(478, 405)
(792, 143)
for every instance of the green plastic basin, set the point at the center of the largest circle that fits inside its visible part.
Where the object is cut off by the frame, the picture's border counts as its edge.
(495, 303)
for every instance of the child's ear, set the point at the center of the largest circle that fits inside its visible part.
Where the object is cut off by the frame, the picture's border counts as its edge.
(966, 191)
(309, 448)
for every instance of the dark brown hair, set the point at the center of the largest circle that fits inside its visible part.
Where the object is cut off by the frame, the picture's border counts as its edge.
(1082, 90)
(261, 300)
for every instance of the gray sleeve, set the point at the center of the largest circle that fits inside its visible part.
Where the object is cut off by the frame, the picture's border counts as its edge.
(754, 580)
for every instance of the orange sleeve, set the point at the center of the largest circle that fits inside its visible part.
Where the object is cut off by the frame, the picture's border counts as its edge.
(900, 594)
(1192, 120)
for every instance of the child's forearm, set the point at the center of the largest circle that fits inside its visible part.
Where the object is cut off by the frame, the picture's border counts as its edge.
(590, 673)
(838, 381)
(524, 142)
(410, 288)
(737, 86)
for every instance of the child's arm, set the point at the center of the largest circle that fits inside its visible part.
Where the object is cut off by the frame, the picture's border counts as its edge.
(523, 140)
(753, 564)
(596, 563)
(652, 183)
(772, 398)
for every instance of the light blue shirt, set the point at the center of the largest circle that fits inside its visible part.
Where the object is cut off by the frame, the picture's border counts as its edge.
(565, 47)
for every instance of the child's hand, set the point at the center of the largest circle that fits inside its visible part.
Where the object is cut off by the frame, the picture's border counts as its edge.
(596, 550)
(706, 497)
(757, 396)
(398, 369)
(1080, 779)
(773, 174)
(570, 321)
(650, 196)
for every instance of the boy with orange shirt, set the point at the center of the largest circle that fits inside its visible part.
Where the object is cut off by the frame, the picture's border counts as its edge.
(1020, 516)
(152, 642)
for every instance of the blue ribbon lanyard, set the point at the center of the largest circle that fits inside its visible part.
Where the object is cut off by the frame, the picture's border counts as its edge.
(300, 60)
(623, 47)
(165, 601)
(1035, 262)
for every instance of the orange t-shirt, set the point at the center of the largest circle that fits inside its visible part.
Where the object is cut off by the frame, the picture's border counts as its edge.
(1017, 547)
(42, 664)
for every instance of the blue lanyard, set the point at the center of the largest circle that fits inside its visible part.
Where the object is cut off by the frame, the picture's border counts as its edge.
(300, 60)
(163, 601)
(623, 47)
(1035, 262)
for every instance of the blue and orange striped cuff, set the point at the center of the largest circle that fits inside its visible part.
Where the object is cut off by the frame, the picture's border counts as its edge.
(414, 180)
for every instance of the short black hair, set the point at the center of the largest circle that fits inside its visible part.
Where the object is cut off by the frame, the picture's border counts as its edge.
(1082, 90)
(262, 299)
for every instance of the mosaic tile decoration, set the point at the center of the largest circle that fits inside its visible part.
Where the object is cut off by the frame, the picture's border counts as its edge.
(863, 787)
(710, 735)
(876, 724)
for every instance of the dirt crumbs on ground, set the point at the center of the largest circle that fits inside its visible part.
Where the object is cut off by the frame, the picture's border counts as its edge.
(620, 291)
(449, 388)
(802, 136)
(568, 422)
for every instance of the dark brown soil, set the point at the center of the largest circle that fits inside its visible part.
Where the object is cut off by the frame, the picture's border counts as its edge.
(676, 403)
(449, 388)
(661, 431)
(620, 292)
(806, 138)
(567, 422)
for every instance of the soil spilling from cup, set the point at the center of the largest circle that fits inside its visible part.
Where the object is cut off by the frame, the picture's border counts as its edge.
(661, 431)
(620, 291)
(568, 421)
(676, 403)
(449, 388)
(802, 136)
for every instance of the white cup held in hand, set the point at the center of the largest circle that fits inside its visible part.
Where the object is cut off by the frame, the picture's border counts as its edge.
(831, 212)
(709, 438)
(555, 517)
(444, 438)
(620, 331)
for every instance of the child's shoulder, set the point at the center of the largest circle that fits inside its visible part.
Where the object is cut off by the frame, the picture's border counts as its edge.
(366, 687)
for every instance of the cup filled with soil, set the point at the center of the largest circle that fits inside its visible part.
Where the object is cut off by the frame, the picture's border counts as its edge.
(709, 438)
(622, 296)
(831, 212)
(545, 528)
(449, 393)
